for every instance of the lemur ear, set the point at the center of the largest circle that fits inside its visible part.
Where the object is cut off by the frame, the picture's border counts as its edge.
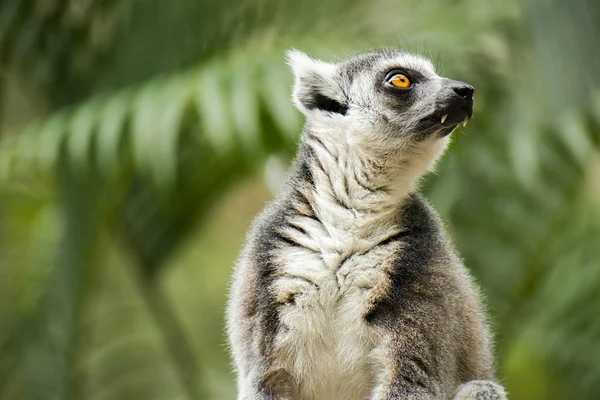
(315, 87)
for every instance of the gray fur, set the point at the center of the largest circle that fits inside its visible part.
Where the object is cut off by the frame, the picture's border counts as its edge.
(348, 286)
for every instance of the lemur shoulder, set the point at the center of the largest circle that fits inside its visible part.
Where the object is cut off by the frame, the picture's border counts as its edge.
(348, 286)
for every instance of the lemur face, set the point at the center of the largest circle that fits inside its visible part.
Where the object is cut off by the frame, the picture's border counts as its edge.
(387, 96)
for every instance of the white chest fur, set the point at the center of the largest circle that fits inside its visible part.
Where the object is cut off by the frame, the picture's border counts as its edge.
(326, 288)
(328, 282)
(327, 345)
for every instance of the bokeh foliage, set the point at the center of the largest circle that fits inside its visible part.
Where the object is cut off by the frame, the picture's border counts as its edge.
(129, 179)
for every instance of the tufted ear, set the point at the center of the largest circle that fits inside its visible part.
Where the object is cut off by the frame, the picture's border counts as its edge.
(315, 87)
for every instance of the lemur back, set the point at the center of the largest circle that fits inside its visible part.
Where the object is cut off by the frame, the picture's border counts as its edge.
(348, 287)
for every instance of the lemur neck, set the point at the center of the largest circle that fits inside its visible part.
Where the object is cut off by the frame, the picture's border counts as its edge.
(354, 187)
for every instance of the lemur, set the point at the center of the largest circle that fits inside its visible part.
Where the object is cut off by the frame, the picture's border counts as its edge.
(348, 286)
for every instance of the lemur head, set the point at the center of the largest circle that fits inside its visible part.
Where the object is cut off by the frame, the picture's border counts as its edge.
(387, 98)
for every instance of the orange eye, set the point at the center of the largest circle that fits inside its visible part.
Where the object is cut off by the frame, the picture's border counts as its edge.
(400, 81)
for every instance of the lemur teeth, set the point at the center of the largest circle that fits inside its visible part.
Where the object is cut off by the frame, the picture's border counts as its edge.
(444, 118)
(465, 121)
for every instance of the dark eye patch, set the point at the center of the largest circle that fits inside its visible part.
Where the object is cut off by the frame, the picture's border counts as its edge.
(398, 98)
(413, 75)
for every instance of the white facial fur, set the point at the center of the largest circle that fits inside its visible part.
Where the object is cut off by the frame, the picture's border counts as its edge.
(375, 122)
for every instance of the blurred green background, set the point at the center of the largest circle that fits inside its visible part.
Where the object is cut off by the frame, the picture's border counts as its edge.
(138, 138)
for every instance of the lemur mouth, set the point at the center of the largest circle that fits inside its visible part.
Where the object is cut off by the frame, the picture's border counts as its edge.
(464, 121)
(447, 120)
(455, 106)
(455, 115)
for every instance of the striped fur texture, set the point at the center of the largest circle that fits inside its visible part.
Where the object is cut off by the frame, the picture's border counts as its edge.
(348, 286)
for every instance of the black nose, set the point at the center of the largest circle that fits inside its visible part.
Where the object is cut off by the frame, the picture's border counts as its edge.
(454, 102)
(465, 91)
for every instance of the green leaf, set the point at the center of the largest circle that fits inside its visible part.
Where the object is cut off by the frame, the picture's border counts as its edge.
(81, 136)
(213, 110)
(51, 137)
(275, 91)
(111, 130)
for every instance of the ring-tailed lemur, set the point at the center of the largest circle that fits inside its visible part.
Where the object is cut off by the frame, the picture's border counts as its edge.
(348, 287)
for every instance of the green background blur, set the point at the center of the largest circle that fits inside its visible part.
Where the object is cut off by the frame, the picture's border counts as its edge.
(139, 137)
